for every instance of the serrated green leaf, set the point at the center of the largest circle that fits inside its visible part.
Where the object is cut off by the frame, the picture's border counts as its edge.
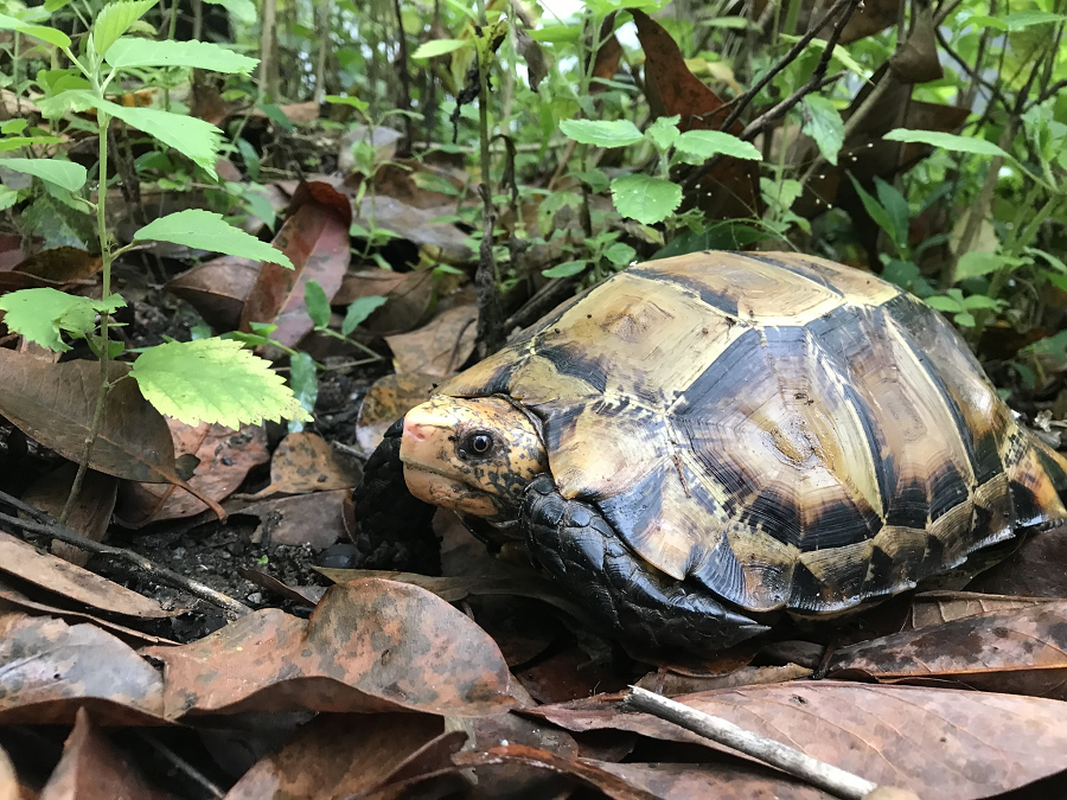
(214, 380)
(664, 132)
(706, 144)
(207, 230)
(65, 174)
(41, 314)
(822, 122)
(947, 141)
(128, 52)
(318, 305)
(439, 47)
(602, 133)
(115, 20)
(566, 269)
(644, 198)
(42, 32)
(358, 311)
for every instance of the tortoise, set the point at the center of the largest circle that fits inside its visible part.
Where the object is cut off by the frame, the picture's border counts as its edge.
(704, 442)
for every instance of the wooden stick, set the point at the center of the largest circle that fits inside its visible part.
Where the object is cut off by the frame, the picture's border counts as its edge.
(788, 759)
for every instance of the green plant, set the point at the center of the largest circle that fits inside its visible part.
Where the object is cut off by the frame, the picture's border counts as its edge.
(213, 379)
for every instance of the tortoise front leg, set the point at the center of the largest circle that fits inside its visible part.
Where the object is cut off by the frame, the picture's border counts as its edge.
(394, 530)
(638, 603)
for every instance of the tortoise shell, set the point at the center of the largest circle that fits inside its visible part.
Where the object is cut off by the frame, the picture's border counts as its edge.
(786, 431)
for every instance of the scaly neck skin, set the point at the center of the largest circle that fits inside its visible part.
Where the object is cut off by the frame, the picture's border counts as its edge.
(475, 455)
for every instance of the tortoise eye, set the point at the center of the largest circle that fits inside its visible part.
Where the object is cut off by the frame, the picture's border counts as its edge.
(477, 444)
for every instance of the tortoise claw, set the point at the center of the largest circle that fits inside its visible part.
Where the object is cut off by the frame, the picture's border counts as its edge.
(641, 605)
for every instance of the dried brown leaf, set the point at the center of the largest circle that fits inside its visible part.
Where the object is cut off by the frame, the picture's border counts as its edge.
(91, 513)
(52, 669)
(439, 348)
(218, 289)
(370, 645)
(305, 462)
(314, 519)
(92, 769)
(71, 581)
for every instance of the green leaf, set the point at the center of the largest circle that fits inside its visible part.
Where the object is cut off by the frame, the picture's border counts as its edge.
(130, 52)
(705, 144)
(947, 141)
(566, 269)
(41, 314)
(557, 34)
(439, 47)
(197, 139)
(8, 198)
(42, 32)
(115, 20)
(822, 122)
(359, 310)
(1024, 19)
(213, 380)
(648, 200)
(982, 21)
(318, 305)
(664, 132)
(304, 380)
(943, 303)
(618, 133)
(65, 174)
(896, 206)
(877, 213)
(620, 254)
(207, 230)
(964, 319)
(976, 301)
(972, 265)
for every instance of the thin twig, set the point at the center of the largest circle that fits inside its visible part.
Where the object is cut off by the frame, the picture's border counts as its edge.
(788, 759)
(45, 526)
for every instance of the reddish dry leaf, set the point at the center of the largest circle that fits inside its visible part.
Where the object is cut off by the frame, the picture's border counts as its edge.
(870, 17)
(91, 513)
(52, 669)
(218, 289)
(608, 55)
(225, 456)
(731, 189)
(670, 781)
(21, 601)
(315, 237)
(386, 401)
(934, 608)
(92, 769)
(584, 771)
(1036, 569)
(336, 756)
(71, 581)
(54, 404)
(368, 283)
(439, 348)
(407, 304)
(934, 742)
(9, 782)
(370, 645)
(305, 462)
(62, 265)
(1023, 651)
(441, 241)
(314, 519)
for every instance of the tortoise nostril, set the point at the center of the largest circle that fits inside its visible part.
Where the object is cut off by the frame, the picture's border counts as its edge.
(415, 431)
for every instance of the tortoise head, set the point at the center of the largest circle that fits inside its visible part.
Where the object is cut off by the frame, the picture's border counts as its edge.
(475, 455)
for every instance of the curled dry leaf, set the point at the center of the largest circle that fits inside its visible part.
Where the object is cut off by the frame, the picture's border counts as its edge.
(92, 769)
(982, 743)
(218, 289)
(305, 462)
(315, 237)
(386, 401)
(439, 348)
(225, 456)
(343, 756)
(73, 582)
(370, 645)
(1023, 651)
(51, 669)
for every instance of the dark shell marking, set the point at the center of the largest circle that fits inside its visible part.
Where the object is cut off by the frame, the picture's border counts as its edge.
(789, 432)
